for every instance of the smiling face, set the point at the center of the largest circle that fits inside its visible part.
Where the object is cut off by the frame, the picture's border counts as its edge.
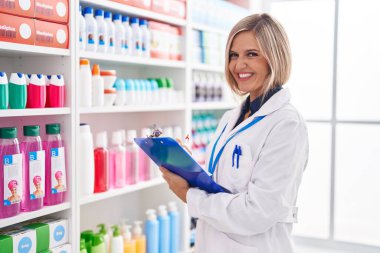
(247, 65)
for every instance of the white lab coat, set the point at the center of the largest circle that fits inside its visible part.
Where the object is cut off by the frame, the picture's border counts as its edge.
(257, 217)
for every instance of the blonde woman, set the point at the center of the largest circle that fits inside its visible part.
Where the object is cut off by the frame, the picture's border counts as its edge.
(259, 151)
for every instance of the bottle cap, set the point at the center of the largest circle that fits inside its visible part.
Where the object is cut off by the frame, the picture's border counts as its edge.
(8, 133)
(84, 128)
(37, 79)
(151, 214)
(134, 20)
(172, 206)
(101, 141)
(125, 19)
(116, 231)
(107, 14)
(131, 135)
(143, 22)
(31, 130)
(116, 138)
(116, 16)
(108, 72)
(56, 80)
(97, 240)
(129, 84)
(127, 232)
(145, 132)
(96, 70)
(119, 84)
(18, 78)
(102, 228)
(137, 230)
(162, 210)
(88, 10)
(53, 128)
(161, 83)
(122, 135)
(169, 83)
(99, 13)
(84, 62)
(3, 78)
(87, 235)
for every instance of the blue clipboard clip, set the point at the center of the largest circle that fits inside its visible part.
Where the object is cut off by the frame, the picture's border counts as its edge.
(166, 152)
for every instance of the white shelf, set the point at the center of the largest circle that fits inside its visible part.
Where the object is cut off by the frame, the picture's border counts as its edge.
(130, 60)
(206, 28)
(35, 214)
(206, 67)
(34, 112)
(123, 109)
(15, 49)
(117, 192)
(212, 106)
(134, 11)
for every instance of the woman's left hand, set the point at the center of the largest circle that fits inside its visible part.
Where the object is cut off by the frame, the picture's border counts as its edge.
(176, 183)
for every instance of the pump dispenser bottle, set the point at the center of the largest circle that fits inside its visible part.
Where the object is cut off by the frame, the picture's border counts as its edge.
(106, 237)
(151, 230)
(129, 243)
(139, 237)
(98, 245)
(117, 244)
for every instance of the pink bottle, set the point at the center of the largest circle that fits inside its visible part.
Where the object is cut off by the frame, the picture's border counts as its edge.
(55, 169)
(131, 158)
(101, 155)
(34, 169)
(10, 172)
(36, 95)
(55, 91)
(144, 160)
(117, 161)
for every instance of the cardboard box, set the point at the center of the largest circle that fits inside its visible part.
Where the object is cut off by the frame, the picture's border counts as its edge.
(16, 29)
(144, 4)
(62, 249)
(49, 34)
(24, 8)
(52, 10)
(18, 240)
(161, 6)
(177, 9)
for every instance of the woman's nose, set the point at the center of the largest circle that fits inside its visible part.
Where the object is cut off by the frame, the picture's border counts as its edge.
(240, 64)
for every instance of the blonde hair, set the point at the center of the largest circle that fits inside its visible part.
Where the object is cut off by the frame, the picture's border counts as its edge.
(273, 44)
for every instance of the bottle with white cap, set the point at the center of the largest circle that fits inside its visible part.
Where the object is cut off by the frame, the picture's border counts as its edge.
(117, 161)
(129, 243)
(131, 158)
(164, 229)
(111, 32)
(174, 227)
(17, 91)
(144, 160)
(139, 237)
(55, 91)
(91, 29)
(36, 92)
(101, 155)
(145, 38)
(128, 35)
(136, 37)
(4, 92)
(120, 34)
(82, 29)
(97, 87)
(102, 31)
(152, 232)
(86, 160)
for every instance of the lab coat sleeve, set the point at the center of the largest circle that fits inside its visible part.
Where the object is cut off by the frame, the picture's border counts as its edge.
(271, 190)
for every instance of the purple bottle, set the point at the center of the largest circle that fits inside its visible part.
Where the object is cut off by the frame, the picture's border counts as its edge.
(34, 169)
(10, 172)
(55, 170)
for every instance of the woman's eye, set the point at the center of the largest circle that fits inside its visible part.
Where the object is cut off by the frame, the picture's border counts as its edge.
(252, 54)
(233, 55)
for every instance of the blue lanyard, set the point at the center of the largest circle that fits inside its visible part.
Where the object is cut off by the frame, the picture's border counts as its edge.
(212, 164)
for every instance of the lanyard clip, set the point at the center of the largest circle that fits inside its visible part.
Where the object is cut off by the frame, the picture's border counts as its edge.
(237, 152)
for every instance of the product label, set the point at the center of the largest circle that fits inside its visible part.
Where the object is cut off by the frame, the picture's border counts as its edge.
(37, 174)
(58, 170)
(90, 38)
(111, 42)
(101, 39)
(12, 179)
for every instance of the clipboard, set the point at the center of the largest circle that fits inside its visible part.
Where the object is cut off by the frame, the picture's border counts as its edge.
(166, 152)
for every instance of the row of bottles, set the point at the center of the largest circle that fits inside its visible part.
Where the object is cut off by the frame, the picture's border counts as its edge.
(162, 235)
(207, 87)
(208, 47)
(29, 177)
(113, 33)
(31, 91)
(117, 165)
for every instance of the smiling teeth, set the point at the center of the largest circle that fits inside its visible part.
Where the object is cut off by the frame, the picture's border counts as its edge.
(244, 75)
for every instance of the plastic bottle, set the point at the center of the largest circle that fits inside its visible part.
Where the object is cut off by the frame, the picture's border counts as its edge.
(97, 87)
(152, 232)
(164, 227)
(102, 31)
(55, 166)
(86, 160)
(88, 237)
(131, 158)
(98, 245)
(117, 244)
(139, 237)
(128, 35)
(82, 246)
(12, 184)
(110, 31)
(120, 34)
(4, 91)
(106, 237)
(145, 38)
(101, 155)
(91, 30)
(82, 29)
(120, 92)
(130, 95)
(174, 227)
(129, 243)
(117, 161)
(144, 160)
(85, 83)
(33, 169)
(55, 91)
(136, 37)
(17, 91)
(36, 90)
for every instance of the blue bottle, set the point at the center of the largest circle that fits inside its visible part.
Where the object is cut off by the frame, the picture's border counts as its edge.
(174, 227)
(164, 226)
(151, 230)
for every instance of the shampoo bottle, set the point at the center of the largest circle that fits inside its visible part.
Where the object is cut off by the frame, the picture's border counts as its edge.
(98, 245)
(117, 161)
(106, 237)
(139, 237)
(151, 230)
(174, 227)
(164, 227)
(129, 243)
(83, 246)
(17, 91)
(131, 158)
(117, 244)
(4, 92)
(101, 155)
(36, 90)
(86, 160)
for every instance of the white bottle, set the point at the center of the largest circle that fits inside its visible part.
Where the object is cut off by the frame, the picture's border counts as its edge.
(117, 244)
(97, 87)
(111, 32)
(91, 30)
(128, 36)
(145, 36)
(120, 34)
(102, 31)
(82, 29)
(136, 37)
(85, 83)
(130, 92)
(86, 160)
(120, 92)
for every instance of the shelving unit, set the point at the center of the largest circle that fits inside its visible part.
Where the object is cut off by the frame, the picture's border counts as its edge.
(34, 112)
(133, 109)
(13, 49)
(212, 106)
(206, 28)
(209, 68)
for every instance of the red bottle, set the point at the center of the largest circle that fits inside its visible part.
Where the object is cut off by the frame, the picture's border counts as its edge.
(36, 95)
(55, 91)
(101, 155)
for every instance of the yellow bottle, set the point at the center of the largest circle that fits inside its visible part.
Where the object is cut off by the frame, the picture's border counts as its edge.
(129, 243)
(139, 237)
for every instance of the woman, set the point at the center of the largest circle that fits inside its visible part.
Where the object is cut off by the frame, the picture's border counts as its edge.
(262, 164)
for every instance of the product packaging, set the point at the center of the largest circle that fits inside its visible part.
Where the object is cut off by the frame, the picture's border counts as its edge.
(17, 29)
(49, 34)
(52, 10)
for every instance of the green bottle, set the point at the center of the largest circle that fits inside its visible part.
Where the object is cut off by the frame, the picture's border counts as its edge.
(83, 246)
(88, 237)
(4, 92)
(98, 245)
(106, 237)
(17, 91)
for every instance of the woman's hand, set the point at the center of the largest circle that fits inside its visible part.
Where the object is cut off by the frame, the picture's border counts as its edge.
(177, 184)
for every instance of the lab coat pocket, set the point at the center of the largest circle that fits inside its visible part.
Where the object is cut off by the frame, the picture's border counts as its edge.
(240, 166)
